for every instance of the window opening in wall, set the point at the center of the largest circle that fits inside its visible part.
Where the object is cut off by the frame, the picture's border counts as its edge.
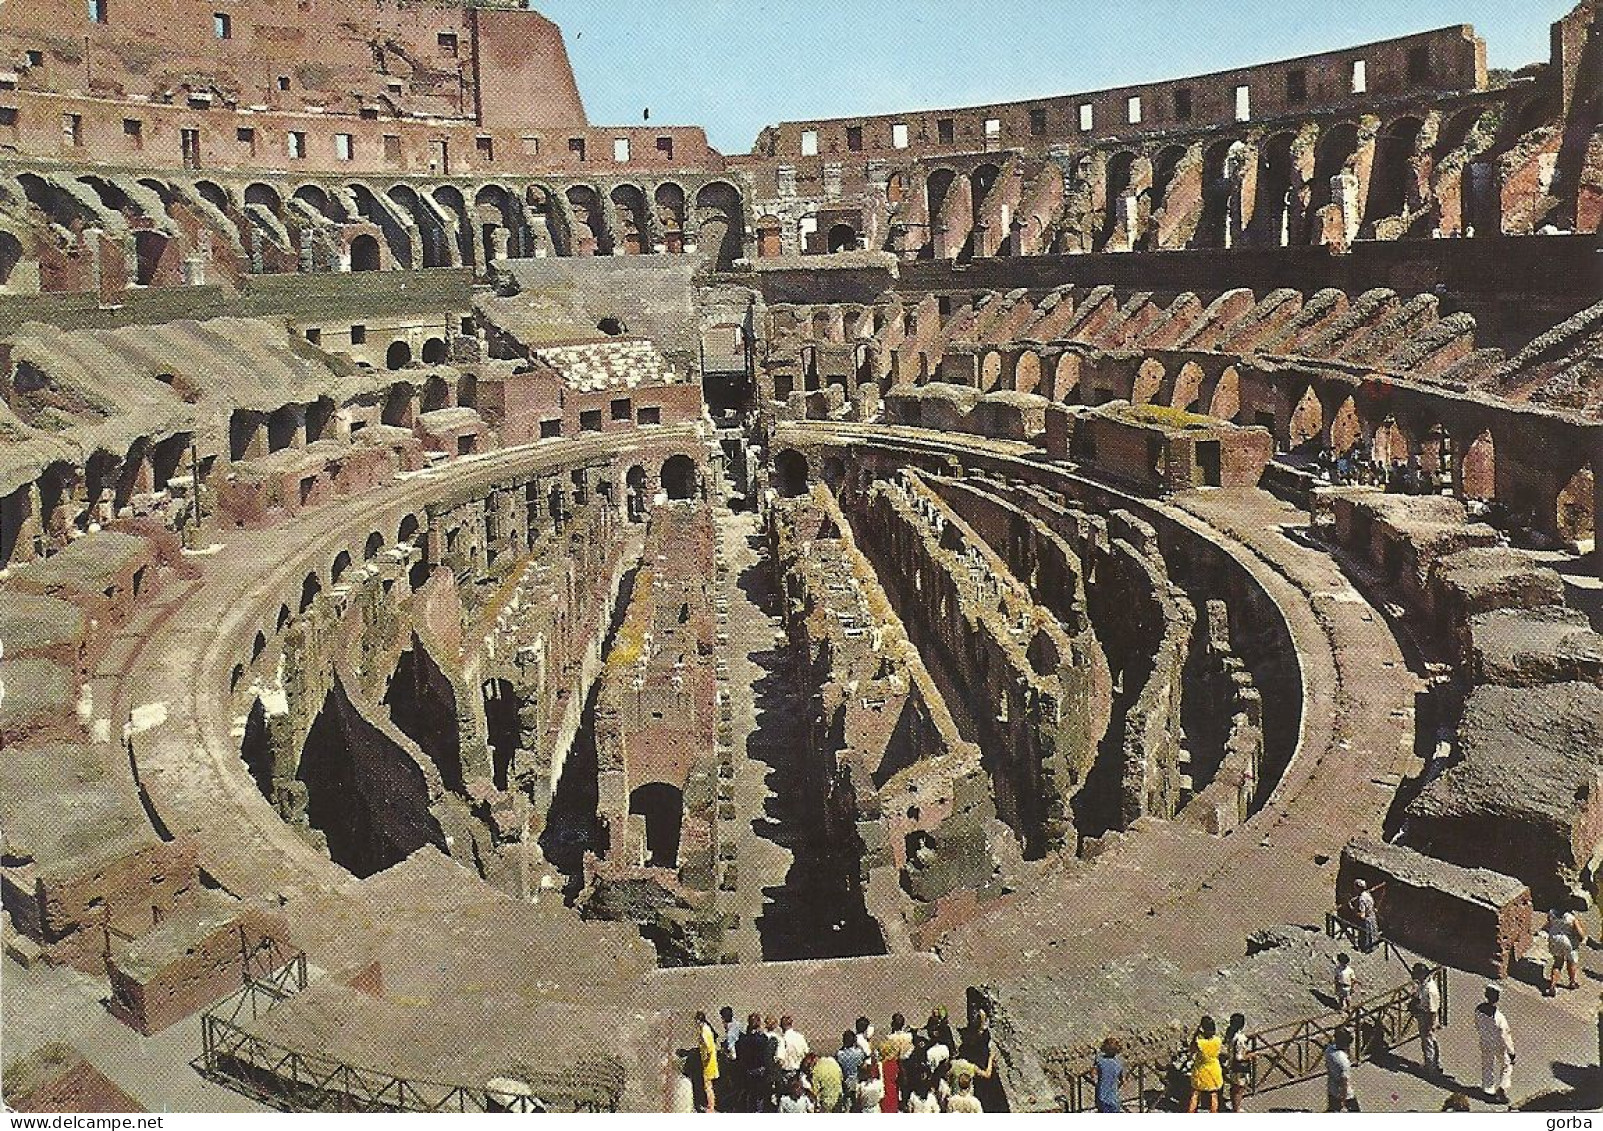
(98, 11)
(809, 143)
(1038, 123)
(246, 136)
(296, 145)
(946, 131)
(1297, 87)
(531, 145)
(1243, 103)
(283, 82)
(1182, 103)
(344, 147)
(314, 335)
(392, 148)
(1360, 76)
(36, 58)
(993, 131)
(358, 335)
(623, 409)
(899, 135)
(550, 429)
(576, 148)
(8, 116)
(1419, 65)
(485, 148)
(854, 138)
(590, 420)
(222, 25)
(448, 43)
(1087, 117)
(652, 415)
(134, 130)
(665, 148)
(72, 129)
(1133, 105)
(620, 150)
(369, 113)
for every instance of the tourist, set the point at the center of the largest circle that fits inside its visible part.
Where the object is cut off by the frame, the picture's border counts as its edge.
(871, 1088)
(1564, 938)
(865, 1036)
(851, 1058)
(1238, 1050)
(1497, 1047)
(726, 1057)
(890, 1073)
(940, 1029)
(1339, 1093)
(921, 1097)
(1426, 1006)
(754, 1065)
(793, 1047)
(963, 1100)
(1107, 1070)
(1207, 1077)
(1346, 982)
(1368, 917)
(732, 1030)
(795, 1101)
(979, 1050)
(937, 1054)
(776, 1048)
(827, 1079)
(707, 1048)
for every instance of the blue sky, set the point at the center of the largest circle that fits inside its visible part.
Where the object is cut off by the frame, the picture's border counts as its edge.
(735, 66)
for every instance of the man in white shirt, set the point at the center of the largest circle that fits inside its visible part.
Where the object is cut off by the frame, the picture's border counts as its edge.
(1368, 918)
(1497, 1047)
(1339, 1094)
(1564, 934)
(792, 1046)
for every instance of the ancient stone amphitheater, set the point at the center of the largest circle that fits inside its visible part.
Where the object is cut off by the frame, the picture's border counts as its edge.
(477, 587)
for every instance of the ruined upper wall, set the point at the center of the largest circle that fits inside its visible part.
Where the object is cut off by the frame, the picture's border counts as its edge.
(1450, 60)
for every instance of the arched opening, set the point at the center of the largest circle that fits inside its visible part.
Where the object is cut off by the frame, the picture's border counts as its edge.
(149, 247)
(283, 428)
(1307, 419)
(669, 204)
(435, 352)
(842, 237)
(1394, 176)
(635, 482)
(1117, 180)
(408, 529)
(770, 241)
(1225, 403)
(375, 543)
(1477, 468)
(310, 588)
(612, 326)
(422, 705)
(256, 749)
(1346, 429)
(1188, 388)
(629, 205)
(364, 253)
(1066, 379)
(833, 472)
(398, 403)
(936, 190)
(1148, 382)
(342, 562)
(368, 799)
(1573, 509)
(501, 717)
(1165, 169)
(1277, 183)
(662, 808)
(1217, 189)
(991, 372)
(398, 356)
(1027, 373)
(679, 478)
(790, 473)
(722, 223)
(10, 257)
(436, 394)
(1333, 157)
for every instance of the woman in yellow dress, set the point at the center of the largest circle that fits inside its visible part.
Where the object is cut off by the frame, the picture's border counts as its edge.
(1207, 1077)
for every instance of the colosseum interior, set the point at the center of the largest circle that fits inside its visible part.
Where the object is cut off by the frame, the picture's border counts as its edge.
(474, 582)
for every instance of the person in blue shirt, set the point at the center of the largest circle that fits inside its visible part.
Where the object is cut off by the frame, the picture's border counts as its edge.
(1108, 1071)
(850, 1058)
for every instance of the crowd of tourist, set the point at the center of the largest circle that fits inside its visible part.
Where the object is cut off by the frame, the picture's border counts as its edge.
(765, 1064)
(1357, 467)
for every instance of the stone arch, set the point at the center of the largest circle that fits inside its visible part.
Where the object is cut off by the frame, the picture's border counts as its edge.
(991, 371)
(431, 232)
(149, 250)
(1307, 423)
(590, 235)
(373, 546)
(398, 356)
(770, 238)
(215, 195)
(318, 200)
(408, 529)
(436, 394)
(264, 196)
(450, 199)
(668, 202)
(1187, 393)
(1066, 378)
(937, 187)
(1225, 401)
(1394, 175)
(1117, 178)
(841, 237)
(1274, 214)
(498, 225)
(1573, 513)
(1213, 228)
(435, 352)
(1148, 382)
(721, 227)
(365, 253)
(1346, 429)
(1475, 467)
(679, 478)
(629, 203)
(310, 588)
(1027, 372)
(1335, 154)
(336, 569)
